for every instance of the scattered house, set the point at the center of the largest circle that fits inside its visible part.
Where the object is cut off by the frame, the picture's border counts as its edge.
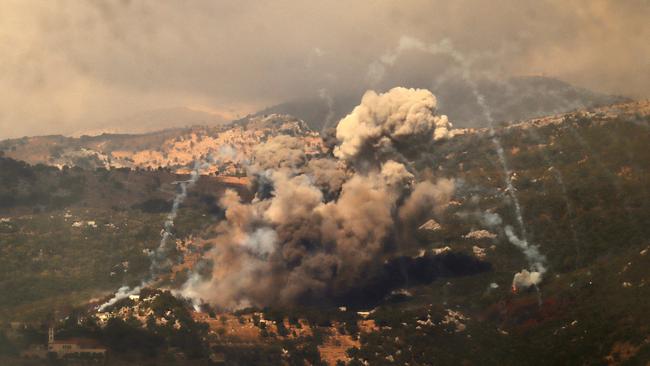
(479, 234)
(431, 226)
(74, 346)
(438, 251)
(455, 319)
(401, 293)
(62, 348)
(103, 317)
(479, 252)
(78, 224)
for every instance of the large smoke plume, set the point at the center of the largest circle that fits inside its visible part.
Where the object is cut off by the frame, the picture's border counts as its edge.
(319, 227)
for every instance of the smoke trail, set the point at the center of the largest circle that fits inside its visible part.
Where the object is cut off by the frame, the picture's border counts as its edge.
(122, 293)
(445, 47)
(160, 257)
(160, 261)
(557, 174)
(323, 94)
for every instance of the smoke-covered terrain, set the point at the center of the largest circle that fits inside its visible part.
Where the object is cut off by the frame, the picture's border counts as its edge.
(393, 238)
(292, 244)
(324, 183)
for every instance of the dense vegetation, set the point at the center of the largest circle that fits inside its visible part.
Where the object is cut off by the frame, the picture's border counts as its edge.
(583, 188)
(70, 235)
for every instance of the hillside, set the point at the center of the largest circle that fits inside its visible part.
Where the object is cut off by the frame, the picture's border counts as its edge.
(163, 118)
(175, 149)
(447, 297)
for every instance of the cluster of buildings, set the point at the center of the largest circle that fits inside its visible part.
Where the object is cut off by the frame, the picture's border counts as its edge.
(233, 144)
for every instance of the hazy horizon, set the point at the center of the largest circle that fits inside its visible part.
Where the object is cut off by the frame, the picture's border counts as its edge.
(71, 66)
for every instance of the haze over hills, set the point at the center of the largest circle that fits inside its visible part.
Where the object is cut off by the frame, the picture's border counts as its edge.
(156, 120)
(518, 98)
(515, 99)
(174, 148)
(177, 148)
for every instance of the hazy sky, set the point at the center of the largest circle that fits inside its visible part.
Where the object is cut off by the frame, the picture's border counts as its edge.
(69, 65)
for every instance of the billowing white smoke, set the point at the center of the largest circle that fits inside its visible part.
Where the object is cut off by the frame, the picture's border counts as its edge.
(326, 224)
(385, 123)
(122, 293)
(525, 278)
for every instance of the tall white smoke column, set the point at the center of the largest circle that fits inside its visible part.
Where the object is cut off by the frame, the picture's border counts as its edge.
(324, 95)
(376, 72)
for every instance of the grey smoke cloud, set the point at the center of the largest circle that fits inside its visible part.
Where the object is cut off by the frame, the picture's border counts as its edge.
(327, 174)
(69, 66)
(280, 151)
(427, 197)
(325, 226)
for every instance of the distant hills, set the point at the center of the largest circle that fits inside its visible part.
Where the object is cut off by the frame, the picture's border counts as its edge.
(174, 148)
(176, 137)
(157, 119)
(516, 99)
